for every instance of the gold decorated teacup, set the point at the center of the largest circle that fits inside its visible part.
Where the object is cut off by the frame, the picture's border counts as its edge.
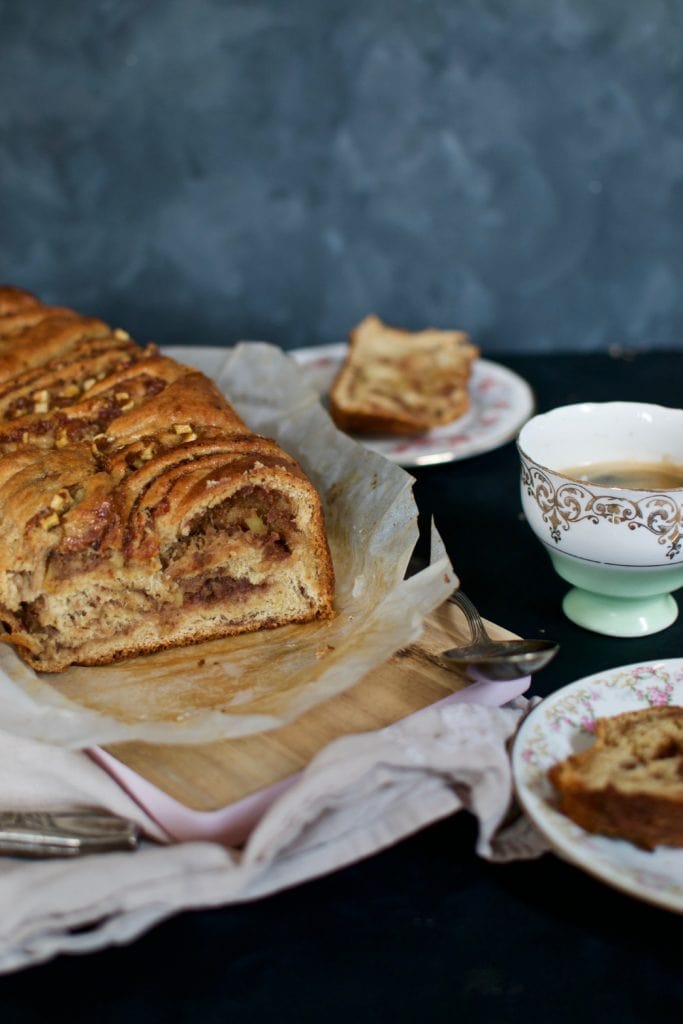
(602, 489)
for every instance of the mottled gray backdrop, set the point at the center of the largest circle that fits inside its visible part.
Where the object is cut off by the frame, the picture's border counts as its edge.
(200, 171)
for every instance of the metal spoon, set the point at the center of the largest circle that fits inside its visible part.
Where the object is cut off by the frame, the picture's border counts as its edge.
(497, 659)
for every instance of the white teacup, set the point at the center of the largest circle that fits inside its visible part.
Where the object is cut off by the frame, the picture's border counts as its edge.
(619, 544)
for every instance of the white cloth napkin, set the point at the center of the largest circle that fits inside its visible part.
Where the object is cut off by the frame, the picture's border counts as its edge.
(359, 795)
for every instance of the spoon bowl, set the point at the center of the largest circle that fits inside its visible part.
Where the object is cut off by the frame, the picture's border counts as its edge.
(497, 659)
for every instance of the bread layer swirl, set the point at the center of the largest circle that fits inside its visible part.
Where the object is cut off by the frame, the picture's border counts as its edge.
(139, 511)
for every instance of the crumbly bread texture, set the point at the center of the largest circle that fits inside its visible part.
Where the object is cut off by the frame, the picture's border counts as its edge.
(629, 784)
(401, 382)
(138, 511)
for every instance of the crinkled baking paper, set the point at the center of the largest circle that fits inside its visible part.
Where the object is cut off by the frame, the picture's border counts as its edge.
(241, 685)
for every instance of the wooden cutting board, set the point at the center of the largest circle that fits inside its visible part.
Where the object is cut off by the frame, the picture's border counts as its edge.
(212, 776)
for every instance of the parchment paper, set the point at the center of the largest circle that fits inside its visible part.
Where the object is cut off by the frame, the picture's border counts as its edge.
(227, 688)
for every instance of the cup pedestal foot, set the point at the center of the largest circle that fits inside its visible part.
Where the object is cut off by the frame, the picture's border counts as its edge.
(620, 616)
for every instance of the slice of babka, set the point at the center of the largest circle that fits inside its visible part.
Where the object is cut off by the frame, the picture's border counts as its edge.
(629, 783)
(401, 382)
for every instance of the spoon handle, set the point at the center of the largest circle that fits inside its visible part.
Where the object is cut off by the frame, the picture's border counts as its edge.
(64, 833)
(479, 634)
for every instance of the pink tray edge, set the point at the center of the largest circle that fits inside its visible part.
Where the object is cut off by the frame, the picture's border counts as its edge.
(232, 825)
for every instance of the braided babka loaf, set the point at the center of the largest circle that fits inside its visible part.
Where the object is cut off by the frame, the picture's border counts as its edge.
(138, 511)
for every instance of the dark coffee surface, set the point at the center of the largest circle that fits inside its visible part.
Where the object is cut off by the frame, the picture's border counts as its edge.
(650, 476)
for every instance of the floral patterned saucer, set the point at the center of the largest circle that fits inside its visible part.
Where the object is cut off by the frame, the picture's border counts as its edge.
(563, 724)
(501, 402)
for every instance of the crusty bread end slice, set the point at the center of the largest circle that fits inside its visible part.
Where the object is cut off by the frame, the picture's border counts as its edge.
(629, 784)
(401, 382)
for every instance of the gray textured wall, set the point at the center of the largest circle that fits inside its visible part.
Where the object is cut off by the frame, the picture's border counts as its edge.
(200, 170)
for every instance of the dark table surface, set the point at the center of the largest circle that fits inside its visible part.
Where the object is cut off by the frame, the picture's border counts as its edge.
(425, 931)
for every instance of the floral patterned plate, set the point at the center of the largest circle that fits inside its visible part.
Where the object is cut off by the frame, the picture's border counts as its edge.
(501, 402)
(563, 724)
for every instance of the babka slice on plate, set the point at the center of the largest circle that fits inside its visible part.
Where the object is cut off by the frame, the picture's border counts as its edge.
(629, 783)
(401, 382)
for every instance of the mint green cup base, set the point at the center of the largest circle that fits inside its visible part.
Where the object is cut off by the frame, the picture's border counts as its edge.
(618, 600)
(620, 616)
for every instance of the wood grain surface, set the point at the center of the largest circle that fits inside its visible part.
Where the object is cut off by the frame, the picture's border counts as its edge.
(213, 775)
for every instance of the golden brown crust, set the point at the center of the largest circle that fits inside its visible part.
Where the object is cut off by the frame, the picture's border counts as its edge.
(140, 511)
(13, 299)
(31, 316)
(49, 339)
(400, 382)
(357, 421)
(629, 784)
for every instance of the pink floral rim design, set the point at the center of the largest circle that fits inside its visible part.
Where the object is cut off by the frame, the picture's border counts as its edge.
(563, 724)
(501, 403)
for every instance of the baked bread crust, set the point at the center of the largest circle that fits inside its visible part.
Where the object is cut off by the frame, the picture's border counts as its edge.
(401, 382)
(629, 784)
(13, 299)
(139, 511)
